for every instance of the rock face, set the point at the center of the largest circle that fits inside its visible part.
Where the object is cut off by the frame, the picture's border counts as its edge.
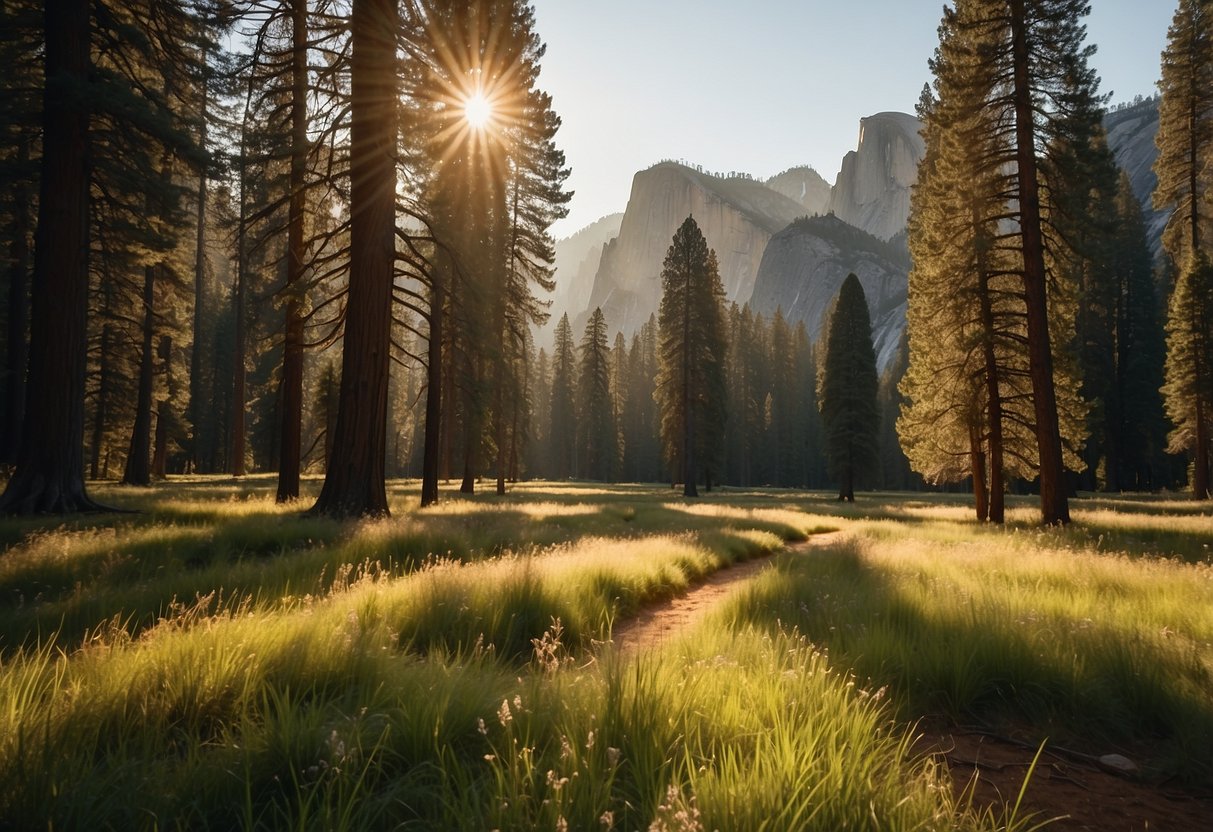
(804, 267)
(577, 260)
(1131, 132)
(872, 191)
(805, 186)
(737, 215)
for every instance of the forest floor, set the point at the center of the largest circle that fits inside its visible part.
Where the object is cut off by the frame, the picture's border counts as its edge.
(1070, 791)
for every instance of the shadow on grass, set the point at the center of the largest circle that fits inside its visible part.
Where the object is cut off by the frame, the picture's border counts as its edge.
(1074, 681)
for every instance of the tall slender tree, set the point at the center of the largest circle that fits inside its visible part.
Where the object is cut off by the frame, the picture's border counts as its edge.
(596, 427)
(1185, 156)
(847, 392)
(692, 350)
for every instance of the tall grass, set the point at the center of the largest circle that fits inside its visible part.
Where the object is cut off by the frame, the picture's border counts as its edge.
(192, 667)
(1028, 628)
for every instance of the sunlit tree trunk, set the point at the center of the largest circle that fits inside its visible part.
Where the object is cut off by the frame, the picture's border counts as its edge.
(354, 484)
(292, 351)
(1054, 505)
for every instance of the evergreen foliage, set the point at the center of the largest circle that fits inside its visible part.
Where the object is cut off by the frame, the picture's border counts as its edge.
(597, 440)
(847, 390)
(692, 344)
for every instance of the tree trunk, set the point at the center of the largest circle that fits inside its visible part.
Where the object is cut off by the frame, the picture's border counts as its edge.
(292, 350)
(17, 353)
(977, 471)
(1054, 507)
(49, 477)
(354, 484)
(196, 374)
(138, 461)
(432, 449)
(163, 410)
(1200, 474)
(688, 414)
(996, 508)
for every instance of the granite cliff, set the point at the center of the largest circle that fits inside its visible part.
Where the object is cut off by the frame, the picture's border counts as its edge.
(805, 186)
(1131, 131)
(737, 215)
(577, 260)
(872, 191)
(805, 264)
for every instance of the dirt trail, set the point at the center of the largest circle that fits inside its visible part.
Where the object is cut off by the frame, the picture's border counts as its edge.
(656, 624)
(1084, 798)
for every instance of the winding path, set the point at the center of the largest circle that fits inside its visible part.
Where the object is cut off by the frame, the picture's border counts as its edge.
(656, 624)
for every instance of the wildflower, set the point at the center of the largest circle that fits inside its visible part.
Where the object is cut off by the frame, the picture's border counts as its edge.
(503, 713)
(480, 726)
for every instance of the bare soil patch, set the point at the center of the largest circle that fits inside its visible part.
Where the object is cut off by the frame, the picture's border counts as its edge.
(1081, 795)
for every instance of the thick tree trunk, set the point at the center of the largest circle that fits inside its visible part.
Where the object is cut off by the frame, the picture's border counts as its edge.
(138, 460)
(354, 484)
(49, 477)
(292, 351)
(17, 353)
(1054, 507)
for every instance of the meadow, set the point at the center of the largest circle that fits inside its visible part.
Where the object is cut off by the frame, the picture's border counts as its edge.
(215, 661)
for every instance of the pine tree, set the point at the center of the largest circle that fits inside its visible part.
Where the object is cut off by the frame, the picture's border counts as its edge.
(1188, 390)
(596, 427)
(562, 424)
(1185, 129)
(1140, 351)
(690, 379)
(847, 392)
(354, 483)
(1185, 148)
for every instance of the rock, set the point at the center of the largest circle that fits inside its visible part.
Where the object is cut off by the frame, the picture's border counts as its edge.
(736, 213)
(805, 264)
(1117, 764)
(872, 191)
(804, 186)
(577, 260)
(1131, 133)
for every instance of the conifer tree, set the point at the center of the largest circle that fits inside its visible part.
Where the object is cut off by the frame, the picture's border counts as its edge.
(690, 379)
(1185, 154)
(354, 483)
(596, 426)
(1185, 129)
(847, 392)
(562, 424)
(1188, 390)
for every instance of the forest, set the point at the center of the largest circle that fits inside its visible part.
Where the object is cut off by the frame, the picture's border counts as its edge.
(199, 169)
(305, 525)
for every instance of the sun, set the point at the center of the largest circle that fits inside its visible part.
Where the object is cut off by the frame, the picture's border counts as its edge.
(477, 111)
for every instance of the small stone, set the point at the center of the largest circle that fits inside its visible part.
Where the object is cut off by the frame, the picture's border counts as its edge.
(1118, 764)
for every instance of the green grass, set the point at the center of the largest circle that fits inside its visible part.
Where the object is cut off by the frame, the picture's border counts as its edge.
(442, 670)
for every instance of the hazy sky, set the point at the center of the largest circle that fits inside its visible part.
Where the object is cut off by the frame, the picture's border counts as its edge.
(764, 85)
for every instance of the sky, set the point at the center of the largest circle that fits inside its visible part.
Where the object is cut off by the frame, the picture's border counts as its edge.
(764, 85)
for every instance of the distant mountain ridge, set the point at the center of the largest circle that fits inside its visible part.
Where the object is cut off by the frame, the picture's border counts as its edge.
(789, 241)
